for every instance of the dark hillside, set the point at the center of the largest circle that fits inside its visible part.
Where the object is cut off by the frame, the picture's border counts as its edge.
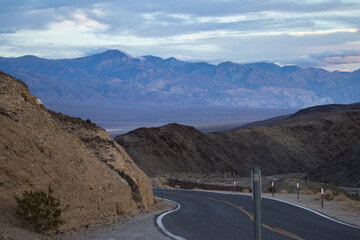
(174, 149)
(320, 137)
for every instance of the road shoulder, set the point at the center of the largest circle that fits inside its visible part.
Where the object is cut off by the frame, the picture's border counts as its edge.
(142, 226)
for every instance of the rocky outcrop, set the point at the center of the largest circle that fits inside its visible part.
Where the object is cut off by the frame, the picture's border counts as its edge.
(87, 170)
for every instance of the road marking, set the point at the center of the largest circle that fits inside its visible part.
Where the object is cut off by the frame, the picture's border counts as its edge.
(279, 200)
(278, 230)
(241, 208)
(313, 211)
(162, 227)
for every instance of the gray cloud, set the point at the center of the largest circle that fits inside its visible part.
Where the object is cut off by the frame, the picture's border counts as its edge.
(338, 57)
(240, 31)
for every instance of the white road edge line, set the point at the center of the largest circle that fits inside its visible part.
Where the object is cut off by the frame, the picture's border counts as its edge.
(279, 200)
(161, 226)
(313, 211)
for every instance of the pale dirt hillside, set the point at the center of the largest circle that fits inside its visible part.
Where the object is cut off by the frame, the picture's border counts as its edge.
(87, 170)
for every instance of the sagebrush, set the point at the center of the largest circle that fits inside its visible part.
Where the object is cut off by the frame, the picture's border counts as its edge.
(40, 210)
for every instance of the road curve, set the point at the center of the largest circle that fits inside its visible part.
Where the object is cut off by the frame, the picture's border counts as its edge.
(212, 215)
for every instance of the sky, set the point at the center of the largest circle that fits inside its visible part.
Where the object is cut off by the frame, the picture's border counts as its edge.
(308, 33)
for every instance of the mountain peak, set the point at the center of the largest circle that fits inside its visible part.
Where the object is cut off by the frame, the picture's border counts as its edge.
(114, 53)
(227, 64)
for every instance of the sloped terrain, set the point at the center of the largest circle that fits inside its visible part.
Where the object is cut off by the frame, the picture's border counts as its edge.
(343, 170)
(78, 160)
(175, 150)
(321, 137)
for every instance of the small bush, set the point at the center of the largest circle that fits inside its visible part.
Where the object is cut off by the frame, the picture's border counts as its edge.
(246, 190)
(283, 191)
(329, 195)
(40, 210)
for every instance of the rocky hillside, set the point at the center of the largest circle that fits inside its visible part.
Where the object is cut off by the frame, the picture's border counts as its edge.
(87, 170)
(312, 139)
(343, 170)
(175, 150)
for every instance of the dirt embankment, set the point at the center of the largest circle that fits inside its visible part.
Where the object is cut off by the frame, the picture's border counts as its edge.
(78, 160)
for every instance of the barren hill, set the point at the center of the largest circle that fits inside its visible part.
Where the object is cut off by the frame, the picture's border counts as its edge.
(303, 142)
(85, 167)
(176, 150)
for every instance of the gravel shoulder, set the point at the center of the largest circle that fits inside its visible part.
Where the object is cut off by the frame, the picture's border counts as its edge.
(139, 226)
(142, 226)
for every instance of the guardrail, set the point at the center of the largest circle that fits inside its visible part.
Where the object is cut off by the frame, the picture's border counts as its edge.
(352, 190)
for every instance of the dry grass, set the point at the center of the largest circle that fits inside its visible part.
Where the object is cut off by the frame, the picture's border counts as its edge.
(306, 192)
(328, 195)
(177, 187)
(246, 190)
(355, 205)
(157, 201)
(283, 191)
(341, 197)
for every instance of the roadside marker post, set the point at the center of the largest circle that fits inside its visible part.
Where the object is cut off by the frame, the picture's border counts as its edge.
(162, 192)
(256, 184)
(322, 198)
(198, 184)
(272, 188)
(234, 186)
(298, 190)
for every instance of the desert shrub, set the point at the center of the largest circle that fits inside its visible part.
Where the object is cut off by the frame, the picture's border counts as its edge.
(246, 190)
(341, 197)
(283, 191)
(329, 195)
(40, 210)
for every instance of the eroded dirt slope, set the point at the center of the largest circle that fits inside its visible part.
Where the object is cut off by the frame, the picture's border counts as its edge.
(87, 170)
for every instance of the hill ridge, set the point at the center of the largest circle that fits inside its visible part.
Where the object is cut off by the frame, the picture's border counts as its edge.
(303, 143)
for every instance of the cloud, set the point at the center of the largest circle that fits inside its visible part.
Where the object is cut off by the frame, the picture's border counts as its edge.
(240, 31)
(340, 57)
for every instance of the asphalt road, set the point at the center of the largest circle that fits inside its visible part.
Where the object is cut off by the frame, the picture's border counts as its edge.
(210, 215)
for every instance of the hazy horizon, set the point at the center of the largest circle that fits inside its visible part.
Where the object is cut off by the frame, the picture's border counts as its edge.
(122, 119)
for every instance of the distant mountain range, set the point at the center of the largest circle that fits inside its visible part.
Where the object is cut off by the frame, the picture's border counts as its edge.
(114, 77)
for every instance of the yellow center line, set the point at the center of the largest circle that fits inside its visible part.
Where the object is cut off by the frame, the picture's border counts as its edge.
(289, 233)
(278, 230)
(241, 208)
